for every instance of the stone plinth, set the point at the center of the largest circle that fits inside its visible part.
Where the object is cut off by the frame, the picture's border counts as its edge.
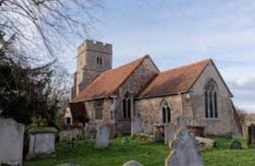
(41, 142)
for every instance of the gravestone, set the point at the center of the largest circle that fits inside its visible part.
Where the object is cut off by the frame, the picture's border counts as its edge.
(70, 135)
(183, 122)
(90, 130)
(169, 133)
(136, 125)
(185, 151)
(113, 130)
(132, 163)
(41, 141)
(235, 144)
(251, 136)
(11, 142)
(158, 133)
(102, 137)
(125, 140)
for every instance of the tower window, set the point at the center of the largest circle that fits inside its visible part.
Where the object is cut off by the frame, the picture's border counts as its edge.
(210, 100)
(99, 61)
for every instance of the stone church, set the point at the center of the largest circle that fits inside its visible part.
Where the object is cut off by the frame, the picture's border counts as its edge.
(137, 96)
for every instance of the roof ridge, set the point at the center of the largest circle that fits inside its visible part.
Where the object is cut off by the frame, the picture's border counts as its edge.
(188, 65)
(156, 84)
(126, 64)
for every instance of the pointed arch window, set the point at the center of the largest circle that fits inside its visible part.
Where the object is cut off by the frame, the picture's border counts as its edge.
(126, 106)
(211, 99)
(166, 112)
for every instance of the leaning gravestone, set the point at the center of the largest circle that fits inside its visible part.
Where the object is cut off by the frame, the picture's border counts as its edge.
(169, 131)
(102, 137)
(185, 151)
(41, 141)
(11, 142)
(132, 163)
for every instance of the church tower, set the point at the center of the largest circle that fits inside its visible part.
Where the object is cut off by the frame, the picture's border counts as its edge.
(93, 58)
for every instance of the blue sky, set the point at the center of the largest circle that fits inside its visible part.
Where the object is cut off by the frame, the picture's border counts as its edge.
(176, 32)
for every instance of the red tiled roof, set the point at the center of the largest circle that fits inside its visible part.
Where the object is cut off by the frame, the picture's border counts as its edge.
(175, 80)
(109, 81)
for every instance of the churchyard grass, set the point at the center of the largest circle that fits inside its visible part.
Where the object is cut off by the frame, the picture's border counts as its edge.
(223, 156)
(149, 154)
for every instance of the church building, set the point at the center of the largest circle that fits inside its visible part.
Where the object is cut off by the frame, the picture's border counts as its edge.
(136, 96)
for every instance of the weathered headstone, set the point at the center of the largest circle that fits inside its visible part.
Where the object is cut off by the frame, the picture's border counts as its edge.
(90, 130)
(113, 130)
(102, 137)
(132, 163)
(11, 141)
(183, 121)
(185, 151)
(169, 132)
(125, 140)
(158, 133)
(235, 144)
(136, 125)
(41, 141)
(69, 135)
(251, 136)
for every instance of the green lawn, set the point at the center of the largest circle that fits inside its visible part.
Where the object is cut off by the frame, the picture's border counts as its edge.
(147, 153)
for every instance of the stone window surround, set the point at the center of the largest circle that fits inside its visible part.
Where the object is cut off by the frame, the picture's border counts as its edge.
(127, 105)
(99, 106)
(211, 105)
(99, 61)
(165, 112)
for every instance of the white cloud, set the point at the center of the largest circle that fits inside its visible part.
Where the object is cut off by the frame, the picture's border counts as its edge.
(244, 81)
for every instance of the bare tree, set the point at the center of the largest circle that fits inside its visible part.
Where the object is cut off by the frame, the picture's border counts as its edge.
(46, 27)
(32, 34)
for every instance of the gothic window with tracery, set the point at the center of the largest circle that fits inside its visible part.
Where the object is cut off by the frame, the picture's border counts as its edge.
(126, 106)
(166, 112)
(211, 99)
